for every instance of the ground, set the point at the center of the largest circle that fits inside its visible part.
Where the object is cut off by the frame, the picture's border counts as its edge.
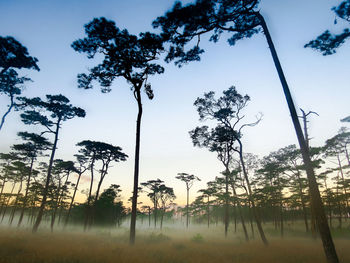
(171, 246)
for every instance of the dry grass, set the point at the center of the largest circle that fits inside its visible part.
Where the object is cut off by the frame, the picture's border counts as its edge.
(22, 246)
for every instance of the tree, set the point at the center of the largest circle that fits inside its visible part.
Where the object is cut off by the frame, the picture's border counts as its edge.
(189, 180)
(226, 111)
(56, 110)
(328, 43)
(108, 210)
(127, 56)
(166, 196)
(105, 153)
(207, 193)
(82, 161)
(33, 147)
(11, 85)
(13, 55)
(153, 187)
(183, 24)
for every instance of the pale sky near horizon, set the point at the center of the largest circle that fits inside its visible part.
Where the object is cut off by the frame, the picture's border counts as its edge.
(318, 83)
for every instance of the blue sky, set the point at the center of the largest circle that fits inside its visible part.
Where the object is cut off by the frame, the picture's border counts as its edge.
(318, 83)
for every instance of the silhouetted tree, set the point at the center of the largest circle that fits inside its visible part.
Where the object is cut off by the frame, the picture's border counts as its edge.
(189, 179)
(127, 56)
(11, 85)
(153, 187)
(82, 167)
(105, 153)
(109, 211)
(226, 111)
(33, 147)
(242, 19)
(327, 43)
(50, 114)
(13, 55)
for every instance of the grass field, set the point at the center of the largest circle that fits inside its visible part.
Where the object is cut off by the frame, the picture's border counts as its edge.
(170, 246)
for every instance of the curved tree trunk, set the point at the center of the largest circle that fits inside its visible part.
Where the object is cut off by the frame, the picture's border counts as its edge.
(316, 201)
(48, 179)
(136, 167)
(7, 112)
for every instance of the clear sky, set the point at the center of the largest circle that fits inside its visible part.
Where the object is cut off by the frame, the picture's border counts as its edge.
(318, 83)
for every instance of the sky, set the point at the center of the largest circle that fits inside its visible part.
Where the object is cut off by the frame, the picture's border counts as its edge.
(318, 83)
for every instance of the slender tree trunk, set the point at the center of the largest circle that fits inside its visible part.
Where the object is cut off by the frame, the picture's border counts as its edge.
(343, 183)
(92, 214)
(7, 202)
(241, 214)
(48, 179)
(255, 212)
(187, 214)
(161, 218)
(208, 212)
(88, 207)
(136, 169)
(227, 216)
(72, 200)
(26, 193)
(302, 202)
(16, 201)
(155, 208)
(316, 201)
(7, 112)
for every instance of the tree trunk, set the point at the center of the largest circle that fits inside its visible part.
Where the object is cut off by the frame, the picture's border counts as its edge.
(48, 179)
(88, 208)
(136, 169)
(208, 212)
(316, 201)
(302, 202)
(187, 214)
(240, 214)
(16, 201)
(7, 202)
(72, 201)
(255, 212)
(26, 193)
(7, 112)
(343, 183)
(226, 217)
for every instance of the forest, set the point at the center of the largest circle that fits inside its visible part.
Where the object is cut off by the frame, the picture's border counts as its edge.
(212, 174)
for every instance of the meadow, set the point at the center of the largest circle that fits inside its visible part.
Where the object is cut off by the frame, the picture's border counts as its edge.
(171, 245)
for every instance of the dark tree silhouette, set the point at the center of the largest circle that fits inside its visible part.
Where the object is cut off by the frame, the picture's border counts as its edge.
(11, 85)
(328, 43)
(189, 180)
(105, 153)
(82, 167)
(183, 24)
(13, 55)
(127, 56)
(227, 112)
(153, 189)
(50, 114)
(33, 147)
